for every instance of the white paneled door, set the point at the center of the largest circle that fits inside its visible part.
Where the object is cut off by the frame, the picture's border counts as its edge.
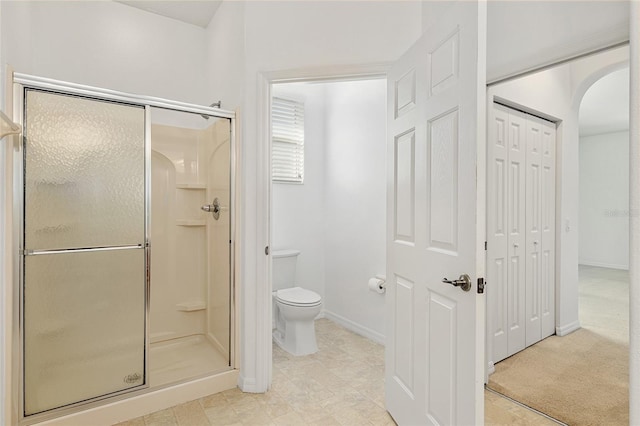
(520, 230)
(435, 116)
(506, 232)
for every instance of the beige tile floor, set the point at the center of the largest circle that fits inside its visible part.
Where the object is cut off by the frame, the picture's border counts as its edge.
(342, 384)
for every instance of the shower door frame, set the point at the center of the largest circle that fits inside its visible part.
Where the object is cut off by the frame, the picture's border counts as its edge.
(24, 82)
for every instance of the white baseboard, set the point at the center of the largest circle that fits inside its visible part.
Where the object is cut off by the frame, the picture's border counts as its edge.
(603, 264)
(491, 368)
(355, 327)
(247, 384)
(569, 328)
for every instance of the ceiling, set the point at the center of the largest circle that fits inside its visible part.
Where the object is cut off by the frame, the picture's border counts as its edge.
(605, 106)
(197, 12)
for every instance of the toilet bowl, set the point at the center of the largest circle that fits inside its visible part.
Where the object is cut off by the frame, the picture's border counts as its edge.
(295, 308)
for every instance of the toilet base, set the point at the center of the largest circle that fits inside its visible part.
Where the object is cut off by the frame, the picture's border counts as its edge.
(298, 338)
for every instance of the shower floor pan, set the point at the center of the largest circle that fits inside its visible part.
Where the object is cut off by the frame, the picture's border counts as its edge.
(174, 360)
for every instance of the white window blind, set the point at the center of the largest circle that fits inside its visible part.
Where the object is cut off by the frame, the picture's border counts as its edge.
(287, 143)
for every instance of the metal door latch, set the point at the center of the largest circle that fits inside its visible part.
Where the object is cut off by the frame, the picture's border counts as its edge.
(464, 282)
(481, 285)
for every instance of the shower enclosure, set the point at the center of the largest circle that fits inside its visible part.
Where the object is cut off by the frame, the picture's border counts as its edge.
(125, 212)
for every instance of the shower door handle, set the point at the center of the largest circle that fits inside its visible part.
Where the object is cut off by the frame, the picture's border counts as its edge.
(213, 208)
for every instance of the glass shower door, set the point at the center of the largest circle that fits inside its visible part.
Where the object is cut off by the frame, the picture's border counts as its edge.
(84, 250)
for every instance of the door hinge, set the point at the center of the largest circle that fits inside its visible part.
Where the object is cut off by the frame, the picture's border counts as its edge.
(485, 246)
(266, 250)
(481, 285)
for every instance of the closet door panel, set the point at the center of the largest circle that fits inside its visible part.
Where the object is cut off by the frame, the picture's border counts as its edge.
(548, 229)
(497, 231)
(516, 220)
(533, 227)
(520, 230)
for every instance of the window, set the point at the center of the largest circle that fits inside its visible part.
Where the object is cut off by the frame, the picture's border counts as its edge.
(287, 140)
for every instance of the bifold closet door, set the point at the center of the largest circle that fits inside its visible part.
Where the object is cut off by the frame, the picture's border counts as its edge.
(520, 230)
(534, 234)
(506, 230)
(540, 236)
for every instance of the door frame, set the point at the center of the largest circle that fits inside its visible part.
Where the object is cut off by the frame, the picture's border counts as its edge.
(263, 313)
(634, 205)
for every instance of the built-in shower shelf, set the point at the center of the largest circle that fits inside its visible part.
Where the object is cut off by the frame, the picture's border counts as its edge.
(191, 186)
(191, 222)
(191, 306)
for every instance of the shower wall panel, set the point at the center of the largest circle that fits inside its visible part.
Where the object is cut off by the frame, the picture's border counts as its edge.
(178, 261)
(190, 265)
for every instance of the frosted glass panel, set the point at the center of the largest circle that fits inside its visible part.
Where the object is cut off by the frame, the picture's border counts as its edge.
(84, 172)
(84, 326)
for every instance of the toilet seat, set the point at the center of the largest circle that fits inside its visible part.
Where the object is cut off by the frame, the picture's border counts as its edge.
(297, 296)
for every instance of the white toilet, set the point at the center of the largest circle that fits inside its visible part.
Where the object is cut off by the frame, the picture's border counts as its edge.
(295, 308)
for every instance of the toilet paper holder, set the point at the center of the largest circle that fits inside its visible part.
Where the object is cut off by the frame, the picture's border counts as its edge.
(378, 284)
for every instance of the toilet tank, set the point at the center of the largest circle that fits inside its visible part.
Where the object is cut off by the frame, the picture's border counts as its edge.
(284, 268)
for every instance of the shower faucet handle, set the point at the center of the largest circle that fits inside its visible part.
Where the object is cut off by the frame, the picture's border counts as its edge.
(213, 208)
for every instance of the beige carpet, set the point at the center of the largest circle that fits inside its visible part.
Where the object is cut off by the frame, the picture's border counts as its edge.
(579, 379)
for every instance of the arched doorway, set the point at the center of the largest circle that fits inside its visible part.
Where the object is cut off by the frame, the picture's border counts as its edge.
(604, 207)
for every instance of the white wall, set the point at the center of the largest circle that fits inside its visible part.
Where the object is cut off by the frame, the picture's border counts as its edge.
(525, 34)
(225, 56)
(105, 44)
(288, 35)
(604, 200)
(299, 210)
(530, 33)
(355, 199)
